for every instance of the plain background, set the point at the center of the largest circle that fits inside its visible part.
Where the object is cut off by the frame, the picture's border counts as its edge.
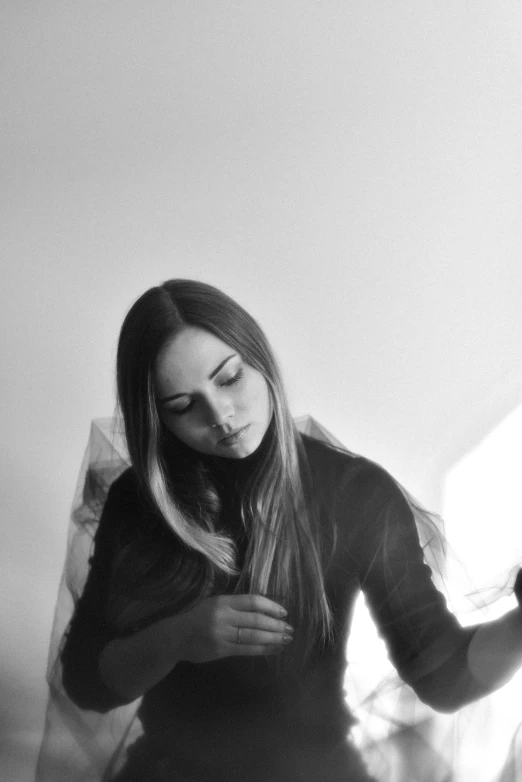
(349, 171)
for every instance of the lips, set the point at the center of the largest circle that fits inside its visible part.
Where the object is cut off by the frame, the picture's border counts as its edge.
(233, 434)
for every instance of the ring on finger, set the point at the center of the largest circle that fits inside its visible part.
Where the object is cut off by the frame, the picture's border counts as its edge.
(238, 638)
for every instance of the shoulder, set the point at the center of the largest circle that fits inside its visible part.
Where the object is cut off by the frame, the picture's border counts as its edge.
(324, 456)
(126, 488)
(127, 506)
(346, 471)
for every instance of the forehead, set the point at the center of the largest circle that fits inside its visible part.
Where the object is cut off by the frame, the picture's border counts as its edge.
(190, 356)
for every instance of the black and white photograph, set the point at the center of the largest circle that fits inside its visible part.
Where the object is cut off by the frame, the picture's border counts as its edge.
(262, 403)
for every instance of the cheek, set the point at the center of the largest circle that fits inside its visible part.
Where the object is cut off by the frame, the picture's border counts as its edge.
(184, 431)
(261, 395)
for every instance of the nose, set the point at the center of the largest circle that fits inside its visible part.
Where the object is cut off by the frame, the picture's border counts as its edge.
(220, 412)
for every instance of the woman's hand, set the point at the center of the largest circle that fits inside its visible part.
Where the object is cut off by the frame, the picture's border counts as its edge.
(230, 625)
(216, 627)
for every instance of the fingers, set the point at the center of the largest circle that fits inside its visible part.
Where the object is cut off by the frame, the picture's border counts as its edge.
(252, 621)
(256, 603)
(251, 624)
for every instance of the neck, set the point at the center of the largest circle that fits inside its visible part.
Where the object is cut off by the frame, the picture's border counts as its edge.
(237, 469)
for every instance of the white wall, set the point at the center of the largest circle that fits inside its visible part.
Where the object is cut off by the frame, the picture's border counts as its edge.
(351, 172)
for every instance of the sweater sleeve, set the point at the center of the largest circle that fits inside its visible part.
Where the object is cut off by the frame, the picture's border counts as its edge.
(425, 641)
(89, 631)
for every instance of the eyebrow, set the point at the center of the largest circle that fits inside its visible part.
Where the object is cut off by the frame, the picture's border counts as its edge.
(210, 377)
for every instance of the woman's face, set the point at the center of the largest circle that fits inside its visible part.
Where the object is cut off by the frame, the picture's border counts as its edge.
(205, 392)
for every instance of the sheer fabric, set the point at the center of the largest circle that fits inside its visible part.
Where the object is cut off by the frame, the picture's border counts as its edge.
(398, 735)
(82, 744)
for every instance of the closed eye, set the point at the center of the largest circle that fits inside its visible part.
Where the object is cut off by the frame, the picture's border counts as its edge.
(230, 382)
(181, 412)
(234, 379)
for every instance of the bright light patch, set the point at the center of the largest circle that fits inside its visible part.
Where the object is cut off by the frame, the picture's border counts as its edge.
(482, 509)
(482, 504)
(483, 512)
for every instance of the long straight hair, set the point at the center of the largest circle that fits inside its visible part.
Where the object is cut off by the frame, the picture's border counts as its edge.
(285, 556)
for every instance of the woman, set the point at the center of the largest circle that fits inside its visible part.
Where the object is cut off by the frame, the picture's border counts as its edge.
(227, 561)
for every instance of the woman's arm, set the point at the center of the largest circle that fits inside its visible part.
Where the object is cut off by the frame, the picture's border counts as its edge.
(131, 665)
(495, 651)
(103, 667)
(447, 665)
(210, 631)
(474, 669)
(88, 631)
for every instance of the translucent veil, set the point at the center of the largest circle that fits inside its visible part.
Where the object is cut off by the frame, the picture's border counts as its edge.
(80, 744)
(401, 739)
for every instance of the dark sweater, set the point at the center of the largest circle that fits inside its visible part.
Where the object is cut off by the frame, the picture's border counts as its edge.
(238, 717)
